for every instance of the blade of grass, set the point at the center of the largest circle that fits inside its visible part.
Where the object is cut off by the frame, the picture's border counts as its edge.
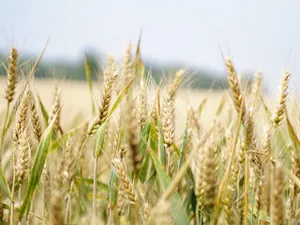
(144, 169)
(112, 190)
(37, 169)
(153, 138)
(61, 141)
(183, 146)
(99, 140)
(176, 150)
(293, 135)
(81, 188)
(165, 180)
(44, 111)
(98, 149)
(190, 199)
(3, 183)
(144, 138)
(142, 147)
(246, 193)
(120, 97)
(224, 181)
(162, 152)
(89, 182)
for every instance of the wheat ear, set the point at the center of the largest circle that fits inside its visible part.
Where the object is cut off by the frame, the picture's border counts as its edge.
(280, 108)
(277, 208)
(12, 75)
(237, 96)
(35, 121)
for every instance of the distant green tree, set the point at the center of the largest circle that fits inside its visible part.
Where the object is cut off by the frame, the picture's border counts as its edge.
(75, 70)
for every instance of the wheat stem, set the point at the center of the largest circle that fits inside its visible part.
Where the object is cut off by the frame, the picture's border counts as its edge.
(246, 196)
(224, 181)
(94, 191)
(13, 189)
(4, 126)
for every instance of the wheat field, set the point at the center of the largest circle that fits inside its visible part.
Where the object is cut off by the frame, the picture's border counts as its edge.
(124, 150)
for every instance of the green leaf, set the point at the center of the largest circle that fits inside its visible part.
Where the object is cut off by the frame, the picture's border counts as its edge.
(144, 138)
(153, 138)
(3, 183)
(44, 111)
(37, 169)
(178, 211)
(89, 182)
(161, 144)
(99, 140)
(121, 96)
(61, 141)
(81, 195)
(176, 150)
(112, 190)
(142, 147)
(190, 199)
(184, 143)
(144, 169)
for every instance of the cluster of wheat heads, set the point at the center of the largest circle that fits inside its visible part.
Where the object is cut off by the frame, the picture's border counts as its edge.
(125, 165)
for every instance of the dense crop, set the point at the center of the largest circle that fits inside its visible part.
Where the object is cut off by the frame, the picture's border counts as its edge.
(127, 165)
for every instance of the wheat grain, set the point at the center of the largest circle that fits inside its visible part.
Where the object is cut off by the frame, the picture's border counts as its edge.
(12, 75)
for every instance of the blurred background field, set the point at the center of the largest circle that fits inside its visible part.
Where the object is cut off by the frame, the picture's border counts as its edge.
(76, 104)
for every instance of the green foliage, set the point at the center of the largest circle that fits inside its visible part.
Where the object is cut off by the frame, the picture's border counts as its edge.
(37, 168)
(165, 180)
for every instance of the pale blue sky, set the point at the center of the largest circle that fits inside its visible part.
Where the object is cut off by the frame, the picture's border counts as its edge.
(256, 33)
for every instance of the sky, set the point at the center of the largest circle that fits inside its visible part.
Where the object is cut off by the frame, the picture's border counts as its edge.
(256, 34)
